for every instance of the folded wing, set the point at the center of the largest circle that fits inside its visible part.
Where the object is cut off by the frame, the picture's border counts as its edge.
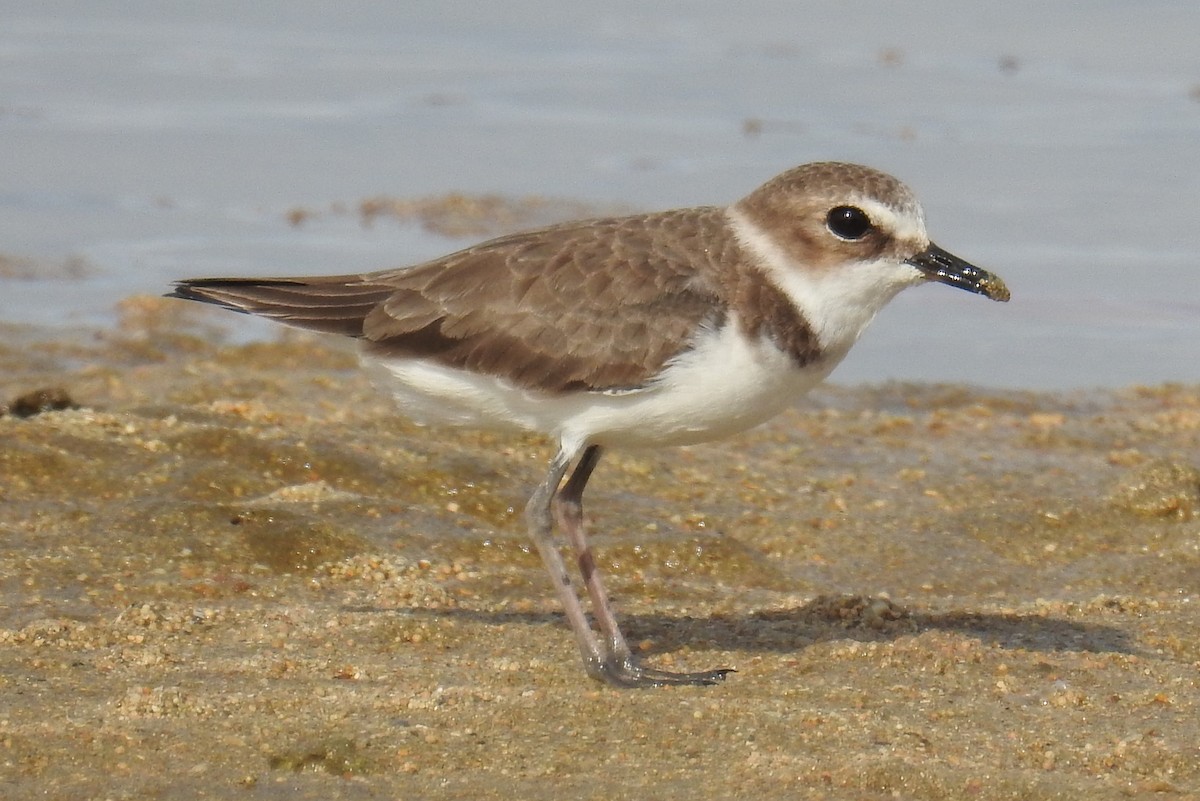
(536, 308)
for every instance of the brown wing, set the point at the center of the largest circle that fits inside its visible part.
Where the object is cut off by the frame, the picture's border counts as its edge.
(601, 304)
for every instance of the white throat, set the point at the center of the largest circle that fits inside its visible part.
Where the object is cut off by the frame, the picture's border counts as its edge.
(839, 302)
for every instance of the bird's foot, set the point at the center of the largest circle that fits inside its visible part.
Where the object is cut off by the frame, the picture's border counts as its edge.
(625, 671)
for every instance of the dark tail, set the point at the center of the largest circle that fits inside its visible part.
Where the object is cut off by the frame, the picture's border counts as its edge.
(334, 305)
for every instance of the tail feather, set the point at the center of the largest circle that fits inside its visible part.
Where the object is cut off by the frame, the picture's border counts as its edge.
(334, 305)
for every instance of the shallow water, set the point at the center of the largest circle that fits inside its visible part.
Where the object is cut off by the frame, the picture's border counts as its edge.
(148, 142)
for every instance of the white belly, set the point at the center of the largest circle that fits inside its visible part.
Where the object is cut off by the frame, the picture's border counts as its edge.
(725, 385)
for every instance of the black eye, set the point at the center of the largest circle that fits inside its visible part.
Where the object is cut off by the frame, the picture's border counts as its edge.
(847, 222)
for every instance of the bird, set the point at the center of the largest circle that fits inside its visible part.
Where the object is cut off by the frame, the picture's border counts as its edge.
(640, 331)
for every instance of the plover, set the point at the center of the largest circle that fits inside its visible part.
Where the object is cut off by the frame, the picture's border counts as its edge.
(657, 329)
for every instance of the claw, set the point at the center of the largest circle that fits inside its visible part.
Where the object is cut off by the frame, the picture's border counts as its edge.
(627, 672)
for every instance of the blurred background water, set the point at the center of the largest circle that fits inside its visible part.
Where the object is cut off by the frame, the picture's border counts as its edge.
(1058, 144)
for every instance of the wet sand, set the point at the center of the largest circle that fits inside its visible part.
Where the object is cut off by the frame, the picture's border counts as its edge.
(232, 571)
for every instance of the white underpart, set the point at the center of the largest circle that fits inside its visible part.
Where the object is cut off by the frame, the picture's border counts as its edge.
(724, 385)
(839, 302)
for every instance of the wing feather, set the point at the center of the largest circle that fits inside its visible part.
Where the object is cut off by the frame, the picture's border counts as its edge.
(600, 305)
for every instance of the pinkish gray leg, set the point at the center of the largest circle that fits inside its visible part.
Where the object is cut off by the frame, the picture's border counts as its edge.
(618, 665)
(541, 528)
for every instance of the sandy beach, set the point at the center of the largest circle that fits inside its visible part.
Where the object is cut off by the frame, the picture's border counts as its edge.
(230, 570)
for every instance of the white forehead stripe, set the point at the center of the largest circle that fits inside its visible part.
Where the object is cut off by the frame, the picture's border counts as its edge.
(838, 304)
(907, 223)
